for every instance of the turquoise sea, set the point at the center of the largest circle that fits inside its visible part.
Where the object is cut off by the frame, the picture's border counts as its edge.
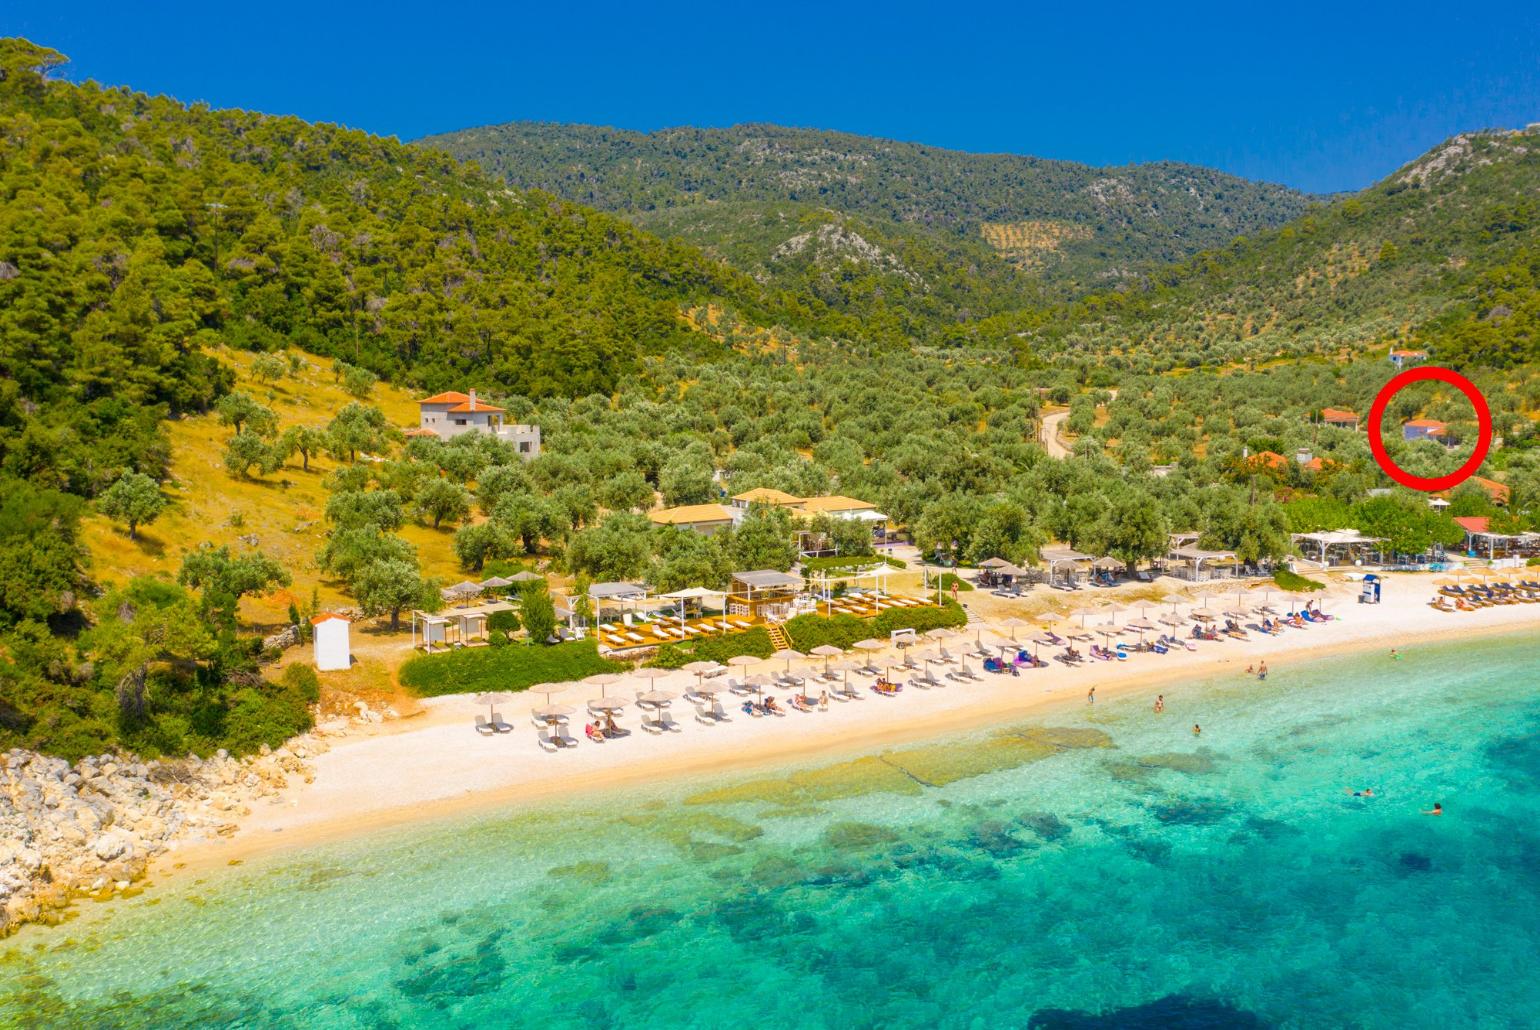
(1101, 867)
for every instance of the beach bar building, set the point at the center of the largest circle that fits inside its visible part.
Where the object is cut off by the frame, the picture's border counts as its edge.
(1340, 547)
(763, 594)
(330, 639)
(1190, 561)
(1064, 565)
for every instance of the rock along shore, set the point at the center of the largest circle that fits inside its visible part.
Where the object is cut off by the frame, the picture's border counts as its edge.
(91, 829)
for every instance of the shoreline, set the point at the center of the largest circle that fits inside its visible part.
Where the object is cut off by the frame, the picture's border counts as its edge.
(440, 769)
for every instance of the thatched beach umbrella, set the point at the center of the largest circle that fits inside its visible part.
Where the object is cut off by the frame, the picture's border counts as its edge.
(551, 712)
(1012, 623)
(603, 680)
(651, 675)
(525, 576)
(828, 652)
(700, 669)
(550, 689)
(493, 698)
(788, 655)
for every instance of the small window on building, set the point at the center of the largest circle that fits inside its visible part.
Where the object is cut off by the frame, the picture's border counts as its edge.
(524, 447)
(459, 421)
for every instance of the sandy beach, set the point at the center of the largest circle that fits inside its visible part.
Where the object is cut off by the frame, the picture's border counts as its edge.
(436, 764)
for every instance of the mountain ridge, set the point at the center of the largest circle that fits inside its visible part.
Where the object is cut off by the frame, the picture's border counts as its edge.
(1136, 214)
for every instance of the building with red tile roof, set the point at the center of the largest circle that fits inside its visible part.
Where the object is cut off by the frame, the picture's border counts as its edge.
(450, 414)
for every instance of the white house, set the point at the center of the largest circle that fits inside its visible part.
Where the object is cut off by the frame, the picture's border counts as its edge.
(331, 642)
(447, 415)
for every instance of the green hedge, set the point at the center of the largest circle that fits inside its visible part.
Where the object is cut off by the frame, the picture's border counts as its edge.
(1294, 581)
(835, 562)
(810, 631)
(515, 667)
(754, 641)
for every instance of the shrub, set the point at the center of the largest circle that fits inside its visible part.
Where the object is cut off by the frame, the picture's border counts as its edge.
(475, 669)
(302, 682)
(950, 615)
(1294, 581)
(754, 641)
(834, 563)
(810, 631)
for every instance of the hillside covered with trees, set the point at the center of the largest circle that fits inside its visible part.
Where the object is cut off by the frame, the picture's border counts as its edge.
(164, 264)
(747, 190)
(1441, 255)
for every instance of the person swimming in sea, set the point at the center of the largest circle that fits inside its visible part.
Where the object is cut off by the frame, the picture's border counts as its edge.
(1160, 703)
(1367, 792)
(1090, 696)
(1393, 656)
(1437, 809)
(1197, 731)
(1262, 671)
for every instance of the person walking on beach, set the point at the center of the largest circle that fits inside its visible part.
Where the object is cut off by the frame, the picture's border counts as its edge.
(1262, 671)
(1090, 696)
(1160, 703)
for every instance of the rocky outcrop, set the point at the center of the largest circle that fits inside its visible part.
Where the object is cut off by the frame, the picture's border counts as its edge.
(91, 828)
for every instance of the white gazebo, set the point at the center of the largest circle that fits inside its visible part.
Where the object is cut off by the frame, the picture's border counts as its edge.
(876, 574)
(329, 633)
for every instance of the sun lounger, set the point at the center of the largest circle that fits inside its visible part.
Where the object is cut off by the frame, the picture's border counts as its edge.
(947, 656)
(483, 727)
(497, 723)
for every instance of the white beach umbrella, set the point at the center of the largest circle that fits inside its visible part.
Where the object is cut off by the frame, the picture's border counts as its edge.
(870, 644)
(741, 661)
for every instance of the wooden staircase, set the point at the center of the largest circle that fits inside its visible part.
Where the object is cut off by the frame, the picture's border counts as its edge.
(778, 636)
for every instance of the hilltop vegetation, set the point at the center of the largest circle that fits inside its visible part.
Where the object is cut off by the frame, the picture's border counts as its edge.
(1069, 225)
(1443, 254)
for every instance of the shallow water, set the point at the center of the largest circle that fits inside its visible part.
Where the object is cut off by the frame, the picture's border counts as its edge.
(1103, 868)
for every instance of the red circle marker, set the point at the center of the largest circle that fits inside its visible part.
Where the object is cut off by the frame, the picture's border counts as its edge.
(1483, 428)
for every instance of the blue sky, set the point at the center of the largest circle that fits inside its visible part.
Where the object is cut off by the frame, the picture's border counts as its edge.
(1321, 97)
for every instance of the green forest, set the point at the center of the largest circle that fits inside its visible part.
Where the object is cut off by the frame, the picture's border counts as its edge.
(1123, 217)
(141, 237)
